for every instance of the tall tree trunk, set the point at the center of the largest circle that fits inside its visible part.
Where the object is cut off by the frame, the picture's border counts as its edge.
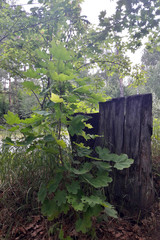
(120, 79)
(121, 88)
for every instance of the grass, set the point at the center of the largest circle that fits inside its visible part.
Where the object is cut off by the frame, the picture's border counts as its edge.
(156, 137)
(21, 174)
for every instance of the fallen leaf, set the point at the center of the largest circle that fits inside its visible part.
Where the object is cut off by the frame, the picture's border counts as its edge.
(118, 235)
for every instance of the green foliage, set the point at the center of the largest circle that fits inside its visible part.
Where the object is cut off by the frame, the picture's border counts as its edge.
(121, 161)
(4, 105)
(138, 76)
(76, 125)
(151, 62)
(42, 193)
(72, 194)
(156, 137)
(73, 186)
(56, 99)
(102, 179)
(61, 235)
(11, 118)
(30, 85)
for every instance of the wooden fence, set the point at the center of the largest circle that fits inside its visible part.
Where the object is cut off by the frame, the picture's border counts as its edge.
(125, 125)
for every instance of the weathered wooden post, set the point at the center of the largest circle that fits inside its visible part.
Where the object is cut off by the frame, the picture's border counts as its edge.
(126, 127)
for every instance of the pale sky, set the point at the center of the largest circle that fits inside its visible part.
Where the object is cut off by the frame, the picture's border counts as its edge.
(92, 8)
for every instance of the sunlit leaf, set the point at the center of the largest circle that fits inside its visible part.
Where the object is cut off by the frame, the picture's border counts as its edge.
(12, 118)
(61, 143)
(55, 98)
(76, 125)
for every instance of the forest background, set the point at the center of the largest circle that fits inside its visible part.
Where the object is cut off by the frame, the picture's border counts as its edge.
(53, 64)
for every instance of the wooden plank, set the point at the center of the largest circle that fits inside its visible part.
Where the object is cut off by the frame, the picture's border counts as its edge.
(126, 124)
(111, 124)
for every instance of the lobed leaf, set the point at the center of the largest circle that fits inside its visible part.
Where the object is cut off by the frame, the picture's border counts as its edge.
(50, 209)
(73, 187)
(75, 202)
(92, 200)
(12, 118)
(102, 179)
(55, 98)
(123, 164)
(60, 197)
(102, 165)
(53, 184)
(82, 152)
(85, 169)
(76, 125)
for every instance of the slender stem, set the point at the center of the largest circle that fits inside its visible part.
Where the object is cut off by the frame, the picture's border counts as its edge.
(59, 136)
(45, 96)
(37, 99)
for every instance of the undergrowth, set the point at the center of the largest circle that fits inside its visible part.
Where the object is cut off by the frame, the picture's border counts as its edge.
(20, 177)
(26, 178)
(30, 182)
(156, 137)
(34, 180)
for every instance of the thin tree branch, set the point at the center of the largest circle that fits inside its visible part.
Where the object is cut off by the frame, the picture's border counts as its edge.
(99, 61)
(3, 92)
(46, 94)
(37, 99)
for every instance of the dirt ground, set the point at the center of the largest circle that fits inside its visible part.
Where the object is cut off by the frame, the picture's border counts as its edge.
(29, 224)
